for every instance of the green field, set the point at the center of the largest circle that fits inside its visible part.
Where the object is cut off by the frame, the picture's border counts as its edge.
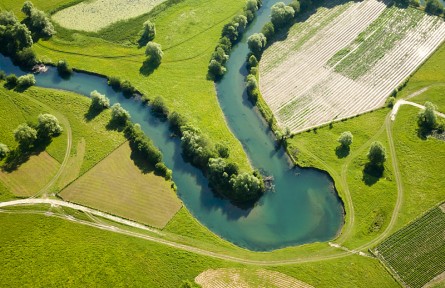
(117, 186)
(415, 253)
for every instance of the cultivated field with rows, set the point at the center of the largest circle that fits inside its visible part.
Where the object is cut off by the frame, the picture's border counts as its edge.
(416, 253)
(345, 60)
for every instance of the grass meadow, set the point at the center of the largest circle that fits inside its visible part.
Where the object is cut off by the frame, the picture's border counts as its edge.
(117, 186)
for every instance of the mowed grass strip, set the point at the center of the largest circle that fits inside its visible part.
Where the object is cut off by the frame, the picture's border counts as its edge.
(416, 253)
(72, 170)
(31, 176)
(117, 186)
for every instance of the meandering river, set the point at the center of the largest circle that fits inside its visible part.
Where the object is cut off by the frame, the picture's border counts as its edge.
(303, 207)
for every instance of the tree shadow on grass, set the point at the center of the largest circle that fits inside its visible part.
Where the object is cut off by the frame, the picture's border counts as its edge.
(91, 113)
(115, 125)
(372, 173)
(342, 151)
(22, 154)
(148, 67)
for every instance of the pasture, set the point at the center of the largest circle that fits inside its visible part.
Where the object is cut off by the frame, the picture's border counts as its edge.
(92, 16)
(117, 186)
(415, 253)
(344, 61)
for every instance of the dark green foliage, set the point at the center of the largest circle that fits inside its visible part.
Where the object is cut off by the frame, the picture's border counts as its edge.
(250, 9)
(25, 135)
(377, 154)
(48, 126)
(434, 7)
(37, 21)
(295, 4)
(127, 88)
(114, 82)
(26, 81)
(25, 58)
(257, 42)
(220, 56)
(64, 69)
(11, 80)
(241, 22)
(27, 8)
(230, 31)
(252, 88)
(268, 30)
(154, 53)
(345, 139)
(252, 62)
(149, 31)
(281, 15)
(140, 143)
(162, 170)
(159, 108)
(225, 44)
(390, 102)
(223, 150)
(14, 36)
(99, 101)
(2, 75)
(246, 187)
(427, 119)
(176, 121)
(216, 69)
(219, 174)
(195, 147)
(414, 3)
(119, 115)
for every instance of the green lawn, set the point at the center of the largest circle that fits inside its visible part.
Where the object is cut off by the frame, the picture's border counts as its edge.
(45, 5)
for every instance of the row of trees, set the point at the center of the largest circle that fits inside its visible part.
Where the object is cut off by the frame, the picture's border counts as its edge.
(230, 34)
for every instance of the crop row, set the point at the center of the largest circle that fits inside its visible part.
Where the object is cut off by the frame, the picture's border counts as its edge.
(304, 92)
(416, 252)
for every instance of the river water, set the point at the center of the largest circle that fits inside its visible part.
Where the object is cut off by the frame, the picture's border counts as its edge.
(302, 208)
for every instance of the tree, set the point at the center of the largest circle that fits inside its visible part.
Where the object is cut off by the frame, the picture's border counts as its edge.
(241, 22)
(257, 43)
(377, 154)
(268, 30)
(220, 55)
(99, 101)
(176, 122)
(26, 81)
(252, 62)
(119, 115)
(27, 8)
(26, 57)
(11, 80)
(159, 108)
(252, 88)
(246, 187)
(345, 139)
(25, 135)
(427, 118)
(433, 7)
(40, 24)
(230, 30)
(4, 150)
(216, 68)
(295, 4)
(149, 32)
(154, 53)
(63, 68)
(49, 125)
(281, 14)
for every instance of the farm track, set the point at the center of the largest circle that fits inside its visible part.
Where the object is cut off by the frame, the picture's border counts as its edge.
(308, 93)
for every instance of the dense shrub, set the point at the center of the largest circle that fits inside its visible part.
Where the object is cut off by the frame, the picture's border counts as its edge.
(281, 15)
(127, 88)
(25, 58)
(14, 36)
(223, 150)
(119, 115)
(434, 7)
(246, 187)
(37, 21)
(268, 30)
(63, 68)
(154, 53)
(114, 82)
(26, 81)
(25, 135)
(140, 143)
(162, 170)
(345, 139)
(99, 101)
(252, 88)
(11, 80)
(176, 121)
(149, 31)
(195, 147)
(159, 108)
(257, 42)
(427, 119)
(377, 154)
(2, 75)
(48, 126)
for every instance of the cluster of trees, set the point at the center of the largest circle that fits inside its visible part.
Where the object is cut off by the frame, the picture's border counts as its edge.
(22, 82)
(434, 7)
(26, 135)
(230, 34)
(121, 85)
(37, 21)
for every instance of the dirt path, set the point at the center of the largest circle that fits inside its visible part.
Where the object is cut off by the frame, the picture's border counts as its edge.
(404, 102)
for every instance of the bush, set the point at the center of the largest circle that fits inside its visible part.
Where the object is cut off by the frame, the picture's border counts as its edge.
(268, 30)
(252, 62)
(114, 82)
(295, 4)
(140, 143)
(119, 115)
(63, 68)
(2, 75)
(176, 122)
(257, 42)
(220, 173)
(220, 55)
(390, 102)
(345, 139)
(154, 53)
(252, 88)
(4, 150)
(414, 3)
(48, 125)
(26, 81)
(433, 7)
(216, 69)
(162, 170)
(223, 150)
(246, 187)
(250, 8)
(427, 118)
(14, 36)
(196, 148)
(99, 101)
(241, 22)
(225, 44)
(38, 22)
(149, 31)
(377, 154)
(281, 15)
(127, 88)
(26, 57)
(159, 108)
(11, 80)
(25, 135)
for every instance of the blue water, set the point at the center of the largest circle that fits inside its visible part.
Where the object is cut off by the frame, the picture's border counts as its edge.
(303, 207)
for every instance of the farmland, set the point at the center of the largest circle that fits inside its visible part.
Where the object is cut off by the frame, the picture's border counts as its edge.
(356, 55)
(92, 16)
(117, 186)
(415, 253)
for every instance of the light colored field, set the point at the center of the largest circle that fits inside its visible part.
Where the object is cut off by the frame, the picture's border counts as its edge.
(31, 176)
(94, 15)
(244, 278)
(117, 186)
(415, 254)
(373, 49)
